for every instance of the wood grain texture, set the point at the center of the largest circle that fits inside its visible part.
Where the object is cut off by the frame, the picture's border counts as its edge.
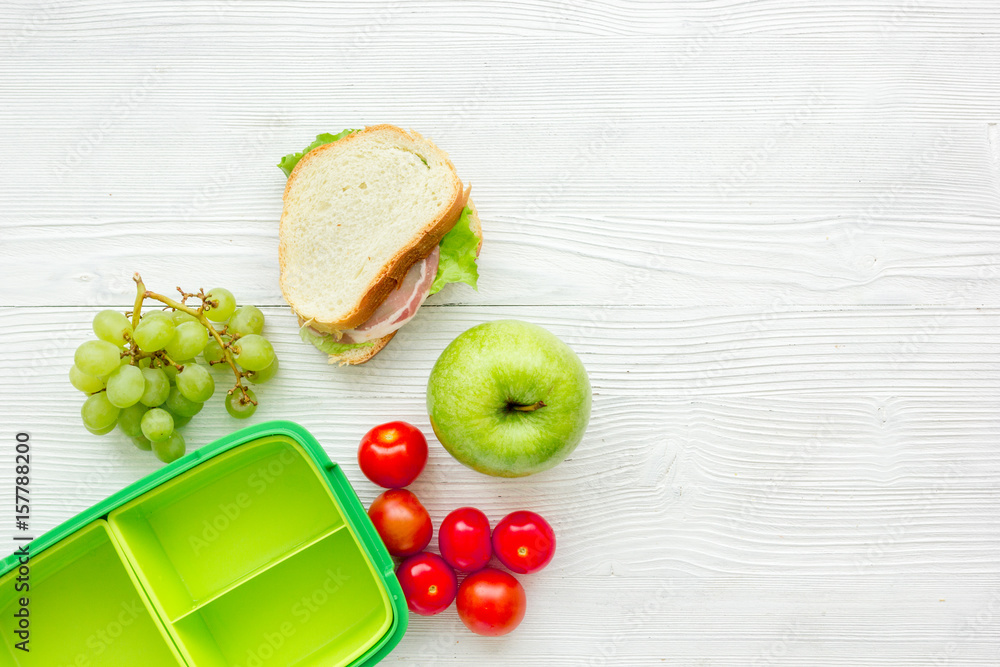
(770, 229)
(749, 442)
(754, 485)
(393, 19)
(747, 214)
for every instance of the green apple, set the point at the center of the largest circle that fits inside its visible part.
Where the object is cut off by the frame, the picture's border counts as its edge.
(508, 398)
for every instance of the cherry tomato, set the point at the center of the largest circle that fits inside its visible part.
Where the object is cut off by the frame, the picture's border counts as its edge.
(393, 454)
(401, 522)
(491, 602)
(464, 539)
(428, 582)
(524, 542)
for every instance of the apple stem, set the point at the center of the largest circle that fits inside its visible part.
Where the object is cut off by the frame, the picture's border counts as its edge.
(526, 408)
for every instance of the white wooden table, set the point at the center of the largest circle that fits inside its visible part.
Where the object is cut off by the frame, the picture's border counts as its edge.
(771, 229)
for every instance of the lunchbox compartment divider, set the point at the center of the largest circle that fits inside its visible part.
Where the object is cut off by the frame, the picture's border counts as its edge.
(84, 543)
(354, 512)
(254, 574)
(165, 565)
(373, 606)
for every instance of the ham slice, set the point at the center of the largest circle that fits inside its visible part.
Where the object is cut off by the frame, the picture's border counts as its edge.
(401, 304)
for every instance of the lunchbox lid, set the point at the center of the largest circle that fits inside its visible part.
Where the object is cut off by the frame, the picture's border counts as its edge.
(251, 551)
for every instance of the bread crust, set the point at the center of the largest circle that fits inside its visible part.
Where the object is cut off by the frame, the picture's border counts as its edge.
(362, 354)
(394, 272)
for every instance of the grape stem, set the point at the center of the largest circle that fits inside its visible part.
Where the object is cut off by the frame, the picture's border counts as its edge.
(199, 314)
(162, 356)
(137, 308)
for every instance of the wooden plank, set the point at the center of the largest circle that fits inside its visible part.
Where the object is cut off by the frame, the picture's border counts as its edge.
(853, 441)
(828, 214)
(363, 22)
(715, 620)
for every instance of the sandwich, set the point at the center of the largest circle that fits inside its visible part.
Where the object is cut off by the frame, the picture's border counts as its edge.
(374, 221)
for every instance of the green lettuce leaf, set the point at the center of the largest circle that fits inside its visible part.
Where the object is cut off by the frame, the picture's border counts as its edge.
(327, 343)
(289, 161)
(458, 255)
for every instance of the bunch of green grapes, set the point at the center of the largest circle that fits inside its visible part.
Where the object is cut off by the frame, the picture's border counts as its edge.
(148, 374)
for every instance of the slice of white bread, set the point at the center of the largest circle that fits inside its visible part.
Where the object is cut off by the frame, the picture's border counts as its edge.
(362, 354)
(358, 213)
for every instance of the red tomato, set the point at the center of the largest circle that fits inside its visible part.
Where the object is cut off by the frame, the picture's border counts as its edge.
(401, 521)
(428, 582)
(464, 539)
(491, 602)
(524, 542)
(393, 454)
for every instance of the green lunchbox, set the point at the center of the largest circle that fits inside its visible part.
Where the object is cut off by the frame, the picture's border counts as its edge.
(253, 551)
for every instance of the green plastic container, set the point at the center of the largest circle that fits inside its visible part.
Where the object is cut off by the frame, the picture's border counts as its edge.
(253, 551)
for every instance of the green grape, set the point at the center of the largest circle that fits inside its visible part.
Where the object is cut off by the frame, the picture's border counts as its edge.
(130, 419)
(142, 442)
(126, 386)
(170, 449)
(171, 372)
(179, 317)
(189, 340)
(157, 424)
(98, 413)
(97, 357)
(157, 387)
(181, 406)
(237, 408)
(153, 333)
(100, 431)
(247, 320)
(213, 351)
(180, 421)
(254, 352)
(195, 383)
(88, 384)
(145, 362)
(227, 304)
(112, 326)
(260, 377)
